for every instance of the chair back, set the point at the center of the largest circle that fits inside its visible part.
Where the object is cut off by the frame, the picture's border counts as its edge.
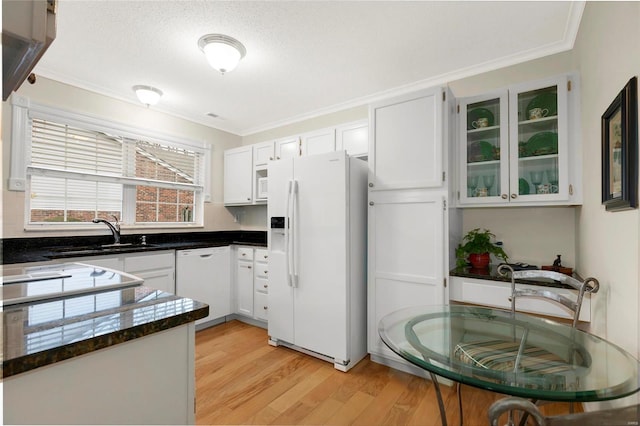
(589, 285)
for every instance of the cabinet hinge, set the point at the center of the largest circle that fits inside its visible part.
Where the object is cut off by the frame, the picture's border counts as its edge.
(458, 109)
(569, 85)
(444, 205)
(299, 147)
(458, 195)
(444, 176)
(444, 96)
(444, 281)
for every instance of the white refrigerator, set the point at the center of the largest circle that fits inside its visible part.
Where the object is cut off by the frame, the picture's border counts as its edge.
(317, 256)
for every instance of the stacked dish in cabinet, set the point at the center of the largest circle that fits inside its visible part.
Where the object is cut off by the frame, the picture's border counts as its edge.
(521, 145)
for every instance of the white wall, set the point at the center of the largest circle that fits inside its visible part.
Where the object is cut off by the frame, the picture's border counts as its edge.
(71, 98)
(607, 55)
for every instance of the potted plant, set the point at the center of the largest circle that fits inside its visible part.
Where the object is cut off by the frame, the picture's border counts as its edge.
(476, 248)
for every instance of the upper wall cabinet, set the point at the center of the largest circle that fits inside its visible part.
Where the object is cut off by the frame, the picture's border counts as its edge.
(238, 172)
(318, 142)
(521, 145)
(406, 141)
(353, 138)
(245, 168)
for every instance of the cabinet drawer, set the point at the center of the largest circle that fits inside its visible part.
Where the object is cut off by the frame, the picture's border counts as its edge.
(262, 255)
(245, 253)
(261, 270)
(261, 285)
(260, 306)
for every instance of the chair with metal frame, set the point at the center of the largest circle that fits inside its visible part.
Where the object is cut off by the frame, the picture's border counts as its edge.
(475, 352)
(617, 416)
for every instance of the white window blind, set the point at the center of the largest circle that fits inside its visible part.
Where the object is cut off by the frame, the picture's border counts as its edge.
(76, 174)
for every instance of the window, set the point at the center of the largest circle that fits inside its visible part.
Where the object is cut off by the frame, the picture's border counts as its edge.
(79, 168)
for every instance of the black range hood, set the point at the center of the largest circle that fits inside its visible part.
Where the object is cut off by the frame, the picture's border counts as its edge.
(28, 29)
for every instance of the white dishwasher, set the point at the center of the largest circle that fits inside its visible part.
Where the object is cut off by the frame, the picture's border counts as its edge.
(205, 275)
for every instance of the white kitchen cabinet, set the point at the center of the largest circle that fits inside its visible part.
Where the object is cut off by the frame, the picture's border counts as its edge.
(406, 140)
(353, 138)
(497, 294)
(238, 176)
(406, 256)
(156, 268)
(263, 153)
(244, 281)
(409, 222)
(520, 145)
(261, 284)
(318, 142)
(205, 275)
(287, 147)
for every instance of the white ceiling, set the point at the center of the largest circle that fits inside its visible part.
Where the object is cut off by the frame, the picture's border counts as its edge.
(303, 58)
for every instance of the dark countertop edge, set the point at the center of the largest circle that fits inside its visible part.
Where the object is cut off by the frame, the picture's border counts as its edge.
(28, 250)
(492, 275)
(30, 362)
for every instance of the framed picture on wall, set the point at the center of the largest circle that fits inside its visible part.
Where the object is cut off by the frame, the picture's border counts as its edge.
(620, 150)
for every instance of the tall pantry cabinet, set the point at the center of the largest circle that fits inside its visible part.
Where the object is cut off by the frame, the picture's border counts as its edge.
(409, 220)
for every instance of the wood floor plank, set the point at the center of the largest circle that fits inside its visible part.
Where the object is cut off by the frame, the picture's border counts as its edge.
(241, 380)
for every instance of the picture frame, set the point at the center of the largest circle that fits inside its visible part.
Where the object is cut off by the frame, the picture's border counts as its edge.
(620, 150)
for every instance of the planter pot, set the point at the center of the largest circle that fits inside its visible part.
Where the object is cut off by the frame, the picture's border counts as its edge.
(479, 261)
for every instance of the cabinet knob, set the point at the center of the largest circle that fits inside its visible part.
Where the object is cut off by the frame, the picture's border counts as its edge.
(270, 158)
(265, 285)
(570, 189)
(244, 254)
(514, 196)
(248, 267)
(370, 184)
(248, 199)
(371, 203)
(266, 272)
(277, 158)
(504, 196)
(266, 256)
(265, 308)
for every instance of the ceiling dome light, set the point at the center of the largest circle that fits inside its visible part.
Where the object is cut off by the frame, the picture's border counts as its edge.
(222, 52)
(148, 95)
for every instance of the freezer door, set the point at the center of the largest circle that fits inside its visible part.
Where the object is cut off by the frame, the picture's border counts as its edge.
(280, 325)
(321, 255)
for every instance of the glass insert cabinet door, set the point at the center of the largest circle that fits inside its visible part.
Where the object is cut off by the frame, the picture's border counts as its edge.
(484, 149)
(538, 142)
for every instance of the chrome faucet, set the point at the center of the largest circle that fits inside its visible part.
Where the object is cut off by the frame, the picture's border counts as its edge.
(115, 230)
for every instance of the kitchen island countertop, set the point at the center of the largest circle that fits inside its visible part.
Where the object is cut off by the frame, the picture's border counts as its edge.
(37, 334)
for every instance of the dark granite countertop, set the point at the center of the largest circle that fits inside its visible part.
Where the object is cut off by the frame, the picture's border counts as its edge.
(492, 274)
(37, 334)
(41, 249)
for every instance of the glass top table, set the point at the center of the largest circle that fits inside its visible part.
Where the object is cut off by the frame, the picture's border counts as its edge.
(520, 355)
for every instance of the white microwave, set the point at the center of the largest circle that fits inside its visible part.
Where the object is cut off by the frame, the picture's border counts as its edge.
(261, 190)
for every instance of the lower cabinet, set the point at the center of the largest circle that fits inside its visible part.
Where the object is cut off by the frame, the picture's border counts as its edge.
(156, 268)
(497, 294)
(251, 283)
(261, 284)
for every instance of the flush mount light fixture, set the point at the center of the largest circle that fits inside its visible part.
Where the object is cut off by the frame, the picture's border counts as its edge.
(222, 52)
(147, 95)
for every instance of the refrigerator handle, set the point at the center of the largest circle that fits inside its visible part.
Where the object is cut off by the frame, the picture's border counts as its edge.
(294, 234)
(287, 235)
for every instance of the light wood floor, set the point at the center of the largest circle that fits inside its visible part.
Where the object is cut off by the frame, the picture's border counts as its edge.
(240, 379)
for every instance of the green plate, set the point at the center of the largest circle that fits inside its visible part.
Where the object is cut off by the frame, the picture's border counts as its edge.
(523, 187)
(480, 151)
(548, 100)
(476, 113)
(543, 143)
